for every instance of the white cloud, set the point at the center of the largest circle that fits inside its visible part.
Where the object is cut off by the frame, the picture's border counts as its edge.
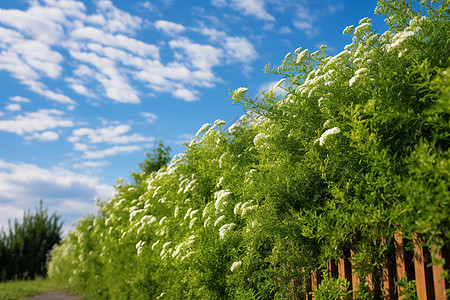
(20, 99)
(39, 56)
(69, 193)
(119, 41)
(91, 164)
(115, 150)
(114, 20)
(240, 49)
(13, 107)
(82, 90)
(254, 8)
(185, 94)
(46, 136)
(169, 27)
(109, 135)
(285, 30)
(80, 146)
(115, 84)
(33, 24)
(203, 57)
(34, 43)
(31, 122)
(149, 117)
(9, 212)
(41, 89)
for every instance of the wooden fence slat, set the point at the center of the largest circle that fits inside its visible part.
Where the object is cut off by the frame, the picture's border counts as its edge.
(399, 260)
(425, 290)
(387, 278)
(438, 282)
(355, 277)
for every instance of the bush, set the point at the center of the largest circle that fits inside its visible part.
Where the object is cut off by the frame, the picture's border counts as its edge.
(25, 246)
(356, 150)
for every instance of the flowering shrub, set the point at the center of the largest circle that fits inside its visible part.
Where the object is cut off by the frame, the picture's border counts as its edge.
(355, 150)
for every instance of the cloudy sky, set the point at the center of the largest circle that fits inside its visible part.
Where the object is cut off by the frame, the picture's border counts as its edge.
(88, 86)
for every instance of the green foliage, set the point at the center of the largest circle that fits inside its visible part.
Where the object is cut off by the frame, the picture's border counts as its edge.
(25, 246)
(356, 150)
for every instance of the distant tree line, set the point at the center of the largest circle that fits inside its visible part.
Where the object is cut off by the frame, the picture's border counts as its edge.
(24, 246)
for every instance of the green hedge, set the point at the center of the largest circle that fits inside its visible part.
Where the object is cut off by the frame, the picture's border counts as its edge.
(355, 150)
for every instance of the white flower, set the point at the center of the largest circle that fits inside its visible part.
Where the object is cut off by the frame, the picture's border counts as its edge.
(202, 129)
(247, 209)
(219, 219)
(220, 196)
(348, 29)
(206, 223)
(363, 28)
(192, 223)
(353, 80)
(362, 70)
(237, 208)
(162, 220)
(323, 137)
(187, 213)
(287, 56)
(190, 186)
(155, 244)
(280, 82)
(298, 50)
(139, 246)
(241, 90)
(301, 56)
(219, 122)
(148, 219)
(134, 213)
(220, 181)
(235, 265)
(224, 229)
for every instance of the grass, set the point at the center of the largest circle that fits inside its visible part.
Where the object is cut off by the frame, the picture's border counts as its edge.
(20, 289)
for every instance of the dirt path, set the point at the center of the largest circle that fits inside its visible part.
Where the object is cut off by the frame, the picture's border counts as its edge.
(53, 296)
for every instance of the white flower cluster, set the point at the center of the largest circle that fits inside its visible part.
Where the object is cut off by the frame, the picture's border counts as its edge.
(183, 247)
(224, 229)
(220, 197)
(327, 133)
(235, 265)
(301, 56)
(260, 141)
(358, 75)
(202, 129)
(243, 208)
(139, 247)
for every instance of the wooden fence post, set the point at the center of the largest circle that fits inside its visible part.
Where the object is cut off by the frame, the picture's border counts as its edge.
(425, 289)
(387, 277)
(399, 260)
(440, 284)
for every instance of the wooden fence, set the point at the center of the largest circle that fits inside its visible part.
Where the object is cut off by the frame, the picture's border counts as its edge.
(414, 264)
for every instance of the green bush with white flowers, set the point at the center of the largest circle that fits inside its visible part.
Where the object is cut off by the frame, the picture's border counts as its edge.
(356, 149)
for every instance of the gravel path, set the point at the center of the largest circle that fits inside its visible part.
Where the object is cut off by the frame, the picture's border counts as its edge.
(53, 296)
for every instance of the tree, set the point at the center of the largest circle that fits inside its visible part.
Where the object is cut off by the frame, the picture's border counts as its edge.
(155, 160)
(25, 246)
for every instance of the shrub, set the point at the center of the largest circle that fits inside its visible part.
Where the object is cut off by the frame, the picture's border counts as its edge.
(356, 150)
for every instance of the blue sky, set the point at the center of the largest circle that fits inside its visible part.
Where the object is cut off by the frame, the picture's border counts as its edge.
(87, 87)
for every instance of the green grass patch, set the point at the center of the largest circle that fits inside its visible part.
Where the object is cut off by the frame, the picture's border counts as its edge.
(25, 288)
